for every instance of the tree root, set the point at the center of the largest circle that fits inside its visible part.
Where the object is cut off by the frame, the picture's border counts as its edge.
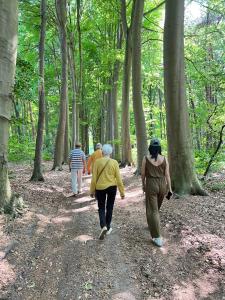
(15, 207)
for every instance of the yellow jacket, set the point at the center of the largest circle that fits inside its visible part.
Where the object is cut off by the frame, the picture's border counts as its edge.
(91, 160)
(109, 177)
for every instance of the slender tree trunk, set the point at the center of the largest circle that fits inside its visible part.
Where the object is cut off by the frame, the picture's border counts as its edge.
(161, 121)
(115, 118)
(195, 129)
(184, 179)
(8, 40)
(60, 137)
(31, 119)
(80, 85)
(47, 138)
(74, 93)
(125, 130)
(103, 119)
(116, 72)
(67, 140)
(56, 67)
(139, 116)
(37, 171)
(17, 115)
(110, 112)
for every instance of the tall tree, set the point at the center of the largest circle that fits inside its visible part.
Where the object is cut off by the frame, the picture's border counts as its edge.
(37, 172)
(139, 117)
(125, 130)
(8, 45)
(115, 79)
(184, 179)
(80, 84)
(61, 12)
(72, 72)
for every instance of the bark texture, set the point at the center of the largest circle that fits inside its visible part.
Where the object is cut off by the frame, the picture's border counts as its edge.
(60, 137)
(139, 116)
(74, 92)
(125, 130)
(37, 171)
(8, 48)
(183, 176)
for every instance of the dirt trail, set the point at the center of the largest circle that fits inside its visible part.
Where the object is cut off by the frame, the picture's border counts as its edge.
(56, 253)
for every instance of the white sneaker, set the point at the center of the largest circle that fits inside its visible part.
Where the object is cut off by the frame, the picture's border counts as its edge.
(109, 231)
(158, 241)
(103, 233)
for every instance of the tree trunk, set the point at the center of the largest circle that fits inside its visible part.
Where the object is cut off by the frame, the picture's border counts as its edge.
(37, 171)
(80, 85)
(103, 119)
(31, 119)
(110, 113)
(125, 131)
(17, 115)
(47, 138)
(161, 118)
(115, 118)
(195, 120)
(8, 38)
(183, 176)
(139, 116)
(74, 93)
(60, 137)
(66, 137)
(116, 71)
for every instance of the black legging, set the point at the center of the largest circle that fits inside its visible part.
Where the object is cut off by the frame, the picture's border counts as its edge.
(105, 211)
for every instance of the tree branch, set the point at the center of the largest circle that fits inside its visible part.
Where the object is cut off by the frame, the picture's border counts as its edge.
(151, 40)
(153, 9)
(217, 149)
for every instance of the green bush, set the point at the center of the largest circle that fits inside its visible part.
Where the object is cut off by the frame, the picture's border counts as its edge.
(21, 150)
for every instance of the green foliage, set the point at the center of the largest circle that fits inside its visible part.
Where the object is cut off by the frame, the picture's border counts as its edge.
(21, 150)
(204, 53)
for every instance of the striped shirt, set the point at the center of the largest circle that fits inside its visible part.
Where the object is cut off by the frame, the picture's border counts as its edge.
(77, 157)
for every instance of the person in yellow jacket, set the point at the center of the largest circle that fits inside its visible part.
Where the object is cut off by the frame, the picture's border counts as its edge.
(91, 160)
(105, 180)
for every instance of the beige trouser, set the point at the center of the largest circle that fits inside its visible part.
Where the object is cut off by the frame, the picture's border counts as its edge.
(155, 191)
(76, 180)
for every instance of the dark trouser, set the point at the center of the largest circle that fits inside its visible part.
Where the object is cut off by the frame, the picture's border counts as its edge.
(105, 206)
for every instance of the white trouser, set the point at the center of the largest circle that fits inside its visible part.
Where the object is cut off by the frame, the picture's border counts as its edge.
(76, 179)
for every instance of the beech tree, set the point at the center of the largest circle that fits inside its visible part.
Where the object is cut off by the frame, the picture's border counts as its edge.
(184, 179)
(139, 116)
(37, 172)
(125, 128)
(8, 45)
(61, 12)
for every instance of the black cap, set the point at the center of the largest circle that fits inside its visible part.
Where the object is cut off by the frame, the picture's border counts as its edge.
(155, 142)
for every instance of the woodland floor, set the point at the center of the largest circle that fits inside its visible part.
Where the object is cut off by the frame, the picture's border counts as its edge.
(52, 251)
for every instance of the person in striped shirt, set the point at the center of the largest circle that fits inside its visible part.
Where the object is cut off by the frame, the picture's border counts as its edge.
(77, 164)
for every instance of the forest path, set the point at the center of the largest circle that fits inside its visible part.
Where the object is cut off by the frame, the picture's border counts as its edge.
(57, 254)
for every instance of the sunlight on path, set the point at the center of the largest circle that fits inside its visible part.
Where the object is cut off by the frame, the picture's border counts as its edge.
(123, 296)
